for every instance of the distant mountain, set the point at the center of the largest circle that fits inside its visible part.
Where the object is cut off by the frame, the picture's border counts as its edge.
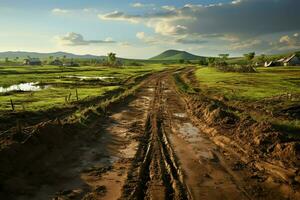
(176, 55)
(23, 54)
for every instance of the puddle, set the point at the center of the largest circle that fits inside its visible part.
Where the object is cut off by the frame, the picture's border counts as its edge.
(25, 87)
(206, 154)
(181, 115)
(190, 133)
(91, 77)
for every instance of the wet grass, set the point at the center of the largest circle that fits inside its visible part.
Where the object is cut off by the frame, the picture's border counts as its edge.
(182, 85)
(268, 82)
(60, 84)
(272, 89)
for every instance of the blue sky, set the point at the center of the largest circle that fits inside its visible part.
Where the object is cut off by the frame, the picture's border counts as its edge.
(141, 29)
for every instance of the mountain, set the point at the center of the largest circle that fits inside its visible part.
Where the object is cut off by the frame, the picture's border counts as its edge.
(24, 54)
(176, 55)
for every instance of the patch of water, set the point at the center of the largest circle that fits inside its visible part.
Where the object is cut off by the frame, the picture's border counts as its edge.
(181, 115)
(25, 87)
(190, 133)
(91, 77)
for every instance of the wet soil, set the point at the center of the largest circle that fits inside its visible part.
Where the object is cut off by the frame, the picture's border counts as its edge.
(147, 147)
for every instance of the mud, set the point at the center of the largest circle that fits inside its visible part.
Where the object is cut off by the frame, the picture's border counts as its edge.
(152, 145)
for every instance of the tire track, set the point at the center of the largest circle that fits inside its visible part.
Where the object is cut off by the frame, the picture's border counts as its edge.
(155, 173)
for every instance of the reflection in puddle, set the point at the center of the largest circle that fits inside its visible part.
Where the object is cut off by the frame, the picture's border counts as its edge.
(91, 77)
(25, 87)
(181, 115)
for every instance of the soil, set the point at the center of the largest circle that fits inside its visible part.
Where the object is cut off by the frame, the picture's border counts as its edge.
(149, 146)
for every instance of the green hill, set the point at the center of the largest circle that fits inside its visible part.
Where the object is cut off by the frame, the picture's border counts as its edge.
(176, 55)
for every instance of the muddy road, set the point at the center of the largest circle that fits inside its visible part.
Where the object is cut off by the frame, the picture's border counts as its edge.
(147, 148)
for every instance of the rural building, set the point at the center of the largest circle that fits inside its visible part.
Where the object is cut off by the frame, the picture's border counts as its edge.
(292, 61)
(272, 64)
(32, 61)
(56, 62)
(71, 64)
(288, 61)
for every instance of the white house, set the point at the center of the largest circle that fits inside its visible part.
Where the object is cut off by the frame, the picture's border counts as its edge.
(292, 61)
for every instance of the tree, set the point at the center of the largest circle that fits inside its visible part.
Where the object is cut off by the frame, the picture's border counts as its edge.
(111, 58)
(262, 58)
(211, 60)
(249, 56)
(6, 60)
(50, 57)
(181, 61)
(17, 58)
(224, 56)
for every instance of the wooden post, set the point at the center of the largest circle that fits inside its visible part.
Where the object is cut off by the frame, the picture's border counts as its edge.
(12, 105)
(19, 127)
(77, 95)
(69, 99)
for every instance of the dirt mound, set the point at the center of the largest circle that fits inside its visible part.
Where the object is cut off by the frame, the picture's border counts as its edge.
(258, 141)
(27, 164)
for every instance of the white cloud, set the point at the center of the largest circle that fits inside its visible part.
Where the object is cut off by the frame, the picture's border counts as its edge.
(236, 1)
(238, 18)
(120, 16)
(75, 39)
(60, 11)
(171, 8)
(141, 5)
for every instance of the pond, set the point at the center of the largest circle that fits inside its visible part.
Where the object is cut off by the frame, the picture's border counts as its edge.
(91, 77)
(24, 87)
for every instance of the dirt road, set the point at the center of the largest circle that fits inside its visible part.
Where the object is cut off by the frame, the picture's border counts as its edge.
(147, 148)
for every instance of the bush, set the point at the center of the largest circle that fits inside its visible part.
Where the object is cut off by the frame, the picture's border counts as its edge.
(236, 68)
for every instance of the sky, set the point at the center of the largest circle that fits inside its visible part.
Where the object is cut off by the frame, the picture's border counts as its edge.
(142, 29)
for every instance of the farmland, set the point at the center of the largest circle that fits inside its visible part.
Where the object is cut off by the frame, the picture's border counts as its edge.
(97, 131)
(54, 83)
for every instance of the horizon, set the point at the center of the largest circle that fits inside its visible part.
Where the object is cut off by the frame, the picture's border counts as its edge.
(201, 27)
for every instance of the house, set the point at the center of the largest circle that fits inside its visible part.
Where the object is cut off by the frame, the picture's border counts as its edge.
(71, 64)
(32, 61)
(56, 62)
(291, 61)
(272, 64)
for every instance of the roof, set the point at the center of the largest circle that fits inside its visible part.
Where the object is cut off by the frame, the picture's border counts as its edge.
(289, 58)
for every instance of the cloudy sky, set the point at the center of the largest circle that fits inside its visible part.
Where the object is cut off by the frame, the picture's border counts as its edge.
(142, 29)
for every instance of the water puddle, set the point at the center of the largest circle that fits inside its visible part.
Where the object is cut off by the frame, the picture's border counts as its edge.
(24, 87)
(190, 132)
(180, 115)
(102, 78)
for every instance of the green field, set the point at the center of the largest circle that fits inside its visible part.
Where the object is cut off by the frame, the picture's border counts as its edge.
(268, 82)
(56, 83)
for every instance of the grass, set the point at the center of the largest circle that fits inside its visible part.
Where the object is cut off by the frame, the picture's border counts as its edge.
(182, 86)
(60, 85)
(252, 88)
(268, 82)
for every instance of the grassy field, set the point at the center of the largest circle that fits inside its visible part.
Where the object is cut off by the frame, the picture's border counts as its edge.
(268, 82)
(56, 83)
(271, 89)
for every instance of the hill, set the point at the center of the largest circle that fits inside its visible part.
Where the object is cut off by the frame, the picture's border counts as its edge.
(176, 55)
(24, 54)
